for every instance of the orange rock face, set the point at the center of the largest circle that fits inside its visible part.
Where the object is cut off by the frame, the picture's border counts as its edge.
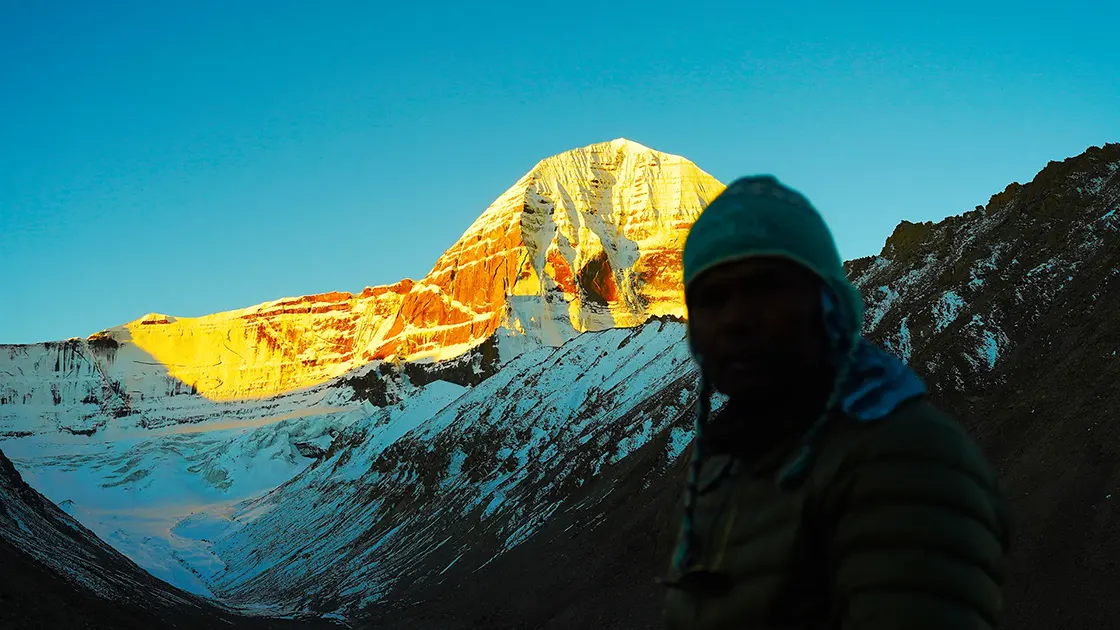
(587, 240)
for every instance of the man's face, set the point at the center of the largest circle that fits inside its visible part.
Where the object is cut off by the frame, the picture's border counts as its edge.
(757, 324)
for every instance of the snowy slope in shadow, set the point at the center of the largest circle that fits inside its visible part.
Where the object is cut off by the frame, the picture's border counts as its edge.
(132, 485)
(452, 475)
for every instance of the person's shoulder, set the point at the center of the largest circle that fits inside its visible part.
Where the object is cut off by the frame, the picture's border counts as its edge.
(918, 448)
(922, 426)
(923, 429)
(917, 431)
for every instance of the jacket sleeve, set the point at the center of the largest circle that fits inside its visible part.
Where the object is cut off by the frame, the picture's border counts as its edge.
(920, 533)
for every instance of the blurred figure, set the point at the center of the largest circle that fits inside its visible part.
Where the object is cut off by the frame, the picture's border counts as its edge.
(828, 492)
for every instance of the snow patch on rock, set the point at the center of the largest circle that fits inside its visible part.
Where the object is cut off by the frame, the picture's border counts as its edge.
(947, 309)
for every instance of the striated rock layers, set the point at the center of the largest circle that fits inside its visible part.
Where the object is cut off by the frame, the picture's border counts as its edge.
(587, 240)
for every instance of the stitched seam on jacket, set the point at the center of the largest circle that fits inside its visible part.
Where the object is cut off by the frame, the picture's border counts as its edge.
(944, 596)
(714, 483)
(863, 503)
(779, 569)
(726, 533)
(872, 546)
(709, 541)
(978, 478)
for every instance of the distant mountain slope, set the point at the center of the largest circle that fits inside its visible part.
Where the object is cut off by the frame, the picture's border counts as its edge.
(54, 573)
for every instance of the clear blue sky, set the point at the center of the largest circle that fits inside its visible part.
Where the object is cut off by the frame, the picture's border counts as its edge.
(187, 157)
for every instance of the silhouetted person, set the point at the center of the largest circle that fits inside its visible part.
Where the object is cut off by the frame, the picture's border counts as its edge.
(828, 492)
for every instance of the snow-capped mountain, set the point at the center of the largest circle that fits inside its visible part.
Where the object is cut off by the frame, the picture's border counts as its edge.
(587, 240)
(153, 433)
(522, 470)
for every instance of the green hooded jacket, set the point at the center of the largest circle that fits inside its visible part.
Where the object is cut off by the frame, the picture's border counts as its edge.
(900, 524)
(880, 514)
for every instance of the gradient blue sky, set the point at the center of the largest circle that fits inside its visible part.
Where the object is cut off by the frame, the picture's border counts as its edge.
(187, 157)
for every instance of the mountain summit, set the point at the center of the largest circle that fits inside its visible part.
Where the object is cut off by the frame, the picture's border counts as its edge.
(587, 240)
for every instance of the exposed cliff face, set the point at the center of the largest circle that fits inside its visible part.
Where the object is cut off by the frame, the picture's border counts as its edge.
(588, 240)
(270, 348)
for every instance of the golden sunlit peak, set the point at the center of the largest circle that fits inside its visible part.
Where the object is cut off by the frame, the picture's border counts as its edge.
(630, 144)
(153, 318)
(589, 239)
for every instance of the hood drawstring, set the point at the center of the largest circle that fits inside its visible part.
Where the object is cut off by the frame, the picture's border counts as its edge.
(841, 345)
(870, 383)
(685, 549)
